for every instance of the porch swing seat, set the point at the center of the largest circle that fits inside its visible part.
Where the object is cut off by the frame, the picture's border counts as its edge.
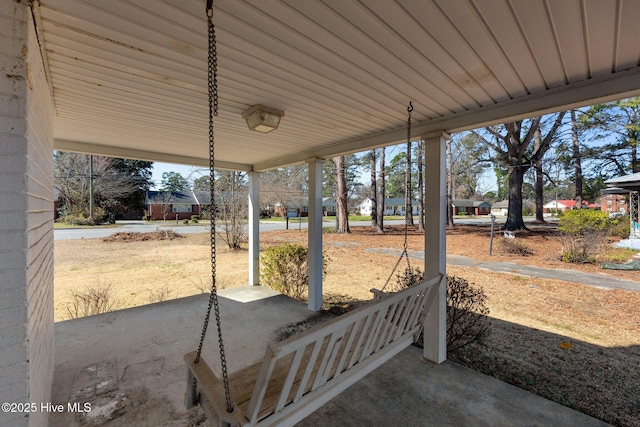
(302, 373)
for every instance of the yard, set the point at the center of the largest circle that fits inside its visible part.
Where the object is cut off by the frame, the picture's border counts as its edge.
(577, 345)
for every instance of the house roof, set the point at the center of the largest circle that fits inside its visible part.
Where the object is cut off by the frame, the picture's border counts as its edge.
(470, 203)
(129, 77)
(186, 197)
(503, 204)
(627, 182)
(569, 204)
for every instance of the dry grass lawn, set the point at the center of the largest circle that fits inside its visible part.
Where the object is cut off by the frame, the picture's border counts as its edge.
(575, 344)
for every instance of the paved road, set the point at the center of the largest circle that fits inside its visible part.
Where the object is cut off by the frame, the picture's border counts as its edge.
(601, 280)
(145, 227)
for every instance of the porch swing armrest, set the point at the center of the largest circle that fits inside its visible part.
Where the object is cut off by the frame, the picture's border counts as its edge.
(211, 394)
(378, 294)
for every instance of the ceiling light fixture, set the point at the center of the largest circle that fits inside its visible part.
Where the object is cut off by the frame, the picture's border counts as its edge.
(262, 119)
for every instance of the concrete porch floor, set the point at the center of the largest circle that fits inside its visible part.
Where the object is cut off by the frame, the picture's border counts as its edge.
(128, 366)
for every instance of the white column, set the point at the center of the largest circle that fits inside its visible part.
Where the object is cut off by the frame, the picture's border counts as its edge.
(315, 234)
(254, 229)
(435, 328)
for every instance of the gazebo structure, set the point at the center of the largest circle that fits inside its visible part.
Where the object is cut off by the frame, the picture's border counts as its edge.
(128, 79)
(629, 184)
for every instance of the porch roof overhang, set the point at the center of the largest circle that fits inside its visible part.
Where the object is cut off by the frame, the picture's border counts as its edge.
(624, 183)
(129, 76)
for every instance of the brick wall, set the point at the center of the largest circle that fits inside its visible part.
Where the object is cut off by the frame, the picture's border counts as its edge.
(26, 226)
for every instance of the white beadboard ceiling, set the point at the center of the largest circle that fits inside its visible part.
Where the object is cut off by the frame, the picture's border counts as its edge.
(129, 76)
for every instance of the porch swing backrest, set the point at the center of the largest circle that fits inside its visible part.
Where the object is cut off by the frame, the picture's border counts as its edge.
(303, 372)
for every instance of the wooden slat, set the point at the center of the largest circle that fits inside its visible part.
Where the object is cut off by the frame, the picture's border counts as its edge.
(347, 348)
(356, 350)
(284, 394)
(262, 382)
(405, 316)
(372, 335)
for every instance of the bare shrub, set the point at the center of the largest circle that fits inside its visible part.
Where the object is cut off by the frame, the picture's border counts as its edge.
(159, 295)
(513, 247)
(467, 311)
(205, 286)
(582, 248)
(467, 314)
(92, 300)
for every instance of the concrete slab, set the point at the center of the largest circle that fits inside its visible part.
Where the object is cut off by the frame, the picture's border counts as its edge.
(410, 391)
(127, 365)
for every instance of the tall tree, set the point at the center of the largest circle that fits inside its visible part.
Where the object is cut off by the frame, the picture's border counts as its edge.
(283, 186)
(73, 182)
(231, 192)
(202, 183)
(577, 161)
(342, 196)
(373, 194)
(173, 182)
(140, 172)
(381, 193)
(539, 186)
(395, 173)
(511, 146)
(467, 161)
(619, 120)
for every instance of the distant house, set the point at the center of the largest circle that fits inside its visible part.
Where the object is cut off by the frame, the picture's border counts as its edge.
(176, 204)
(392, 206)
(614, 204)
(500, 208)
(298, 207)
(470, 207)
(565, 205)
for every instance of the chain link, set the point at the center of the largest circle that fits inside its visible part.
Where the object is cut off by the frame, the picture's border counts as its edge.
(213, 297)
(407, 206)
(407, 197)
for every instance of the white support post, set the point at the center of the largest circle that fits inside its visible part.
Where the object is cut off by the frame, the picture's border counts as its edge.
(254, 229)
(435, 328)
(634, 216)
(315, 234)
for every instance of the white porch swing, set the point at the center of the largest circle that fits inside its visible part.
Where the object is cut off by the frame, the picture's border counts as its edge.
(303, 372)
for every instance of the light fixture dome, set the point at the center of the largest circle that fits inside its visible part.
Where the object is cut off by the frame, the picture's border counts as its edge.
(262, 119)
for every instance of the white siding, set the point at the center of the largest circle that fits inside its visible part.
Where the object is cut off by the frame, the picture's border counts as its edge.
(26, 218)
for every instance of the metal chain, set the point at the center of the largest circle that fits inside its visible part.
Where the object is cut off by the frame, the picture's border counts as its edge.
(407, 196)
(213, 297)
(407, 206)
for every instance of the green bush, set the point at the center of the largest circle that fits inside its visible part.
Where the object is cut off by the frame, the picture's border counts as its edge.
(620, 226)
(582, 233)
(580, 222)
(285, 268)
(195, 218)
(82, 218)
(185, 221)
